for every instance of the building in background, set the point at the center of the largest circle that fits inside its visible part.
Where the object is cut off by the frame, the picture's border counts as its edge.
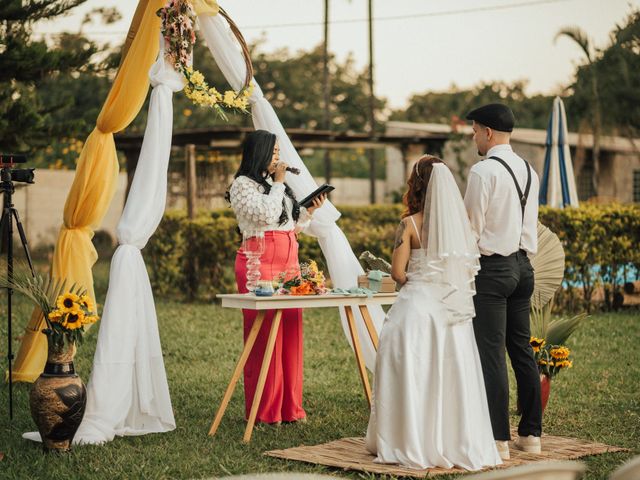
(619, 178)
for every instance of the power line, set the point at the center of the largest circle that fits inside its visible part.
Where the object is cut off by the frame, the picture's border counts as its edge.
(444, 13)
(417, 15)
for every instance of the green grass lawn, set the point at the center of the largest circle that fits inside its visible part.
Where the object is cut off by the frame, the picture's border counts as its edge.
(599, 400)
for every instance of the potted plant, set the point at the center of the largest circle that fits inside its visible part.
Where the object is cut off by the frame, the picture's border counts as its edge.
(549, 335)
(548, 344)
(58, 397)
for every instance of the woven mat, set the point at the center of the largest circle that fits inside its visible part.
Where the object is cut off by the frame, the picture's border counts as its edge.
(350, 454)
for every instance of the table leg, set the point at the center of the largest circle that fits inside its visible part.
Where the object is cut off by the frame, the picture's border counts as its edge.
(366, 316)
(358, 351)
(266, 361)
(248, 345)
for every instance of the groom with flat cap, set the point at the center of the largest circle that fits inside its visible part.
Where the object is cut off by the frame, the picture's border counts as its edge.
(502, 203)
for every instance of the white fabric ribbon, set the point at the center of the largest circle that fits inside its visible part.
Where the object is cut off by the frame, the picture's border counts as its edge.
(128, 393)
(343, 266)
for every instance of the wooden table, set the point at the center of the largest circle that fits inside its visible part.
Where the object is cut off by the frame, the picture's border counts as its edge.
(278, 303)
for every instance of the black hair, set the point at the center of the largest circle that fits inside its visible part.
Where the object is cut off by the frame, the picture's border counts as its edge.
(257, 152)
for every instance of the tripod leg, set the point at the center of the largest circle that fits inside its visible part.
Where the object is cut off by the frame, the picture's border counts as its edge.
(23, 239)
(6, 216)
(7, 234)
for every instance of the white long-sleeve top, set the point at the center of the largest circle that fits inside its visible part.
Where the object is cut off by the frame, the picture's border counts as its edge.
(494, 207)
(256, 211)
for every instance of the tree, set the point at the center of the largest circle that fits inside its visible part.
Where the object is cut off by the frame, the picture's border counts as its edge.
(618, 70)
(25, 64)
(582, 40)
(445, 107)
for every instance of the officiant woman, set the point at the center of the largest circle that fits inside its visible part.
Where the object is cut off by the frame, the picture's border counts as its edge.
(262, 201)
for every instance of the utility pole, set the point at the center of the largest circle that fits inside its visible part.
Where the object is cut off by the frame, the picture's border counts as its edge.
(371, 152)
(326, 90)
(190, 174)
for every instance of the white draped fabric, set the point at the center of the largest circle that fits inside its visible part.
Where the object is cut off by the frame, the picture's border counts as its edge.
(343, 266)
(128, 392)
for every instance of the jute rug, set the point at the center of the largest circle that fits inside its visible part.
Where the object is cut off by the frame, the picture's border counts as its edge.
(350, 454)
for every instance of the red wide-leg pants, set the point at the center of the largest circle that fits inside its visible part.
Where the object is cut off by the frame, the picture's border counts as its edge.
(282, 395)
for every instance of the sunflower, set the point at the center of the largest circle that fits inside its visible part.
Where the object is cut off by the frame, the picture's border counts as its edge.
(89, 319)
(67, 302)
(564, 364)
(560, 353)
(55, 316)
(86, 302)
(537, 343)
(74, 319)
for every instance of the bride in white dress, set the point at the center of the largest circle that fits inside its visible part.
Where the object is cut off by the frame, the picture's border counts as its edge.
(429, 404)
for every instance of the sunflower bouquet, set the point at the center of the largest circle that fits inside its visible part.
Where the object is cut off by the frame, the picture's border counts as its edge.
(310, 281)
(71, 313)
(551, 359)
(66, 310)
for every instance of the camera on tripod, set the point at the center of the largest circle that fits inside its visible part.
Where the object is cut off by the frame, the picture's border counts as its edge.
(10, 174)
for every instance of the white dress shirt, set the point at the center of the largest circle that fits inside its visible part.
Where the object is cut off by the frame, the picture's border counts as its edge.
(256, 211)
(493, 205)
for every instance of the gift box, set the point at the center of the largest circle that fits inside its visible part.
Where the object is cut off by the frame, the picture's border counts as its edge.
(387, 284)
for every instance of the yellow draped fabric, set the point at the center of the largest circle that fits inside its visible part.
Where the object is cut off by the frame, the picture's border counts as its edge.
(95, 182)
(209, 7)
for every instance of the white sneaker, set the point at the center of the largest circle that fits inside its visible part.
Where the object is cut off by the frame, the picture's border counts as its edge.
(530, 444)
(503, 449)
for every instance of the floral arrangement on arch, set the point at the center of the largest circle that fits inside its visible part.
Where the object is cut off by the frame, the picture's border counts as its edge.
(178, 29)
(310, 281)
(551, 359)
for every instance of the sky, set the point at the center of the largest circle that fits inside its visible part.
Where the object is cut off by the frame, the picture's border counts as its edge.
(419, 45)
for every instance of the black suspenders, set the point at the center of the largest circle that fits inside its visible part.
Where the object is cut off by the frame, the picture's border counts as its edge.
(521, 196)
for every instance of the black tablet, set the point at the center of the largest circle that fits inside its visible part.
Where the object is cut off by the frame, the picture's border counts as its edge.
(325, 188)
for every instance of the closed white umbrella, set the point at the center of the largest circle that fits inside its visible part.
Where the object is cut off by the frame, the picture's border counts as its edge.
(558, 186)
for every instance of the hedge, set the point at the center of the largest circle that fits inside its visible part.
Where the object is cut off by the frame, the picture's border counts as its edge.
(194, 259)
(602, 248)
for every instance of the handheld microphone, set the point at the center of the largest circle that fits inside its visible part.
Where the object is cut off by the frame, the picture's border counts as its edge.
(294, 170)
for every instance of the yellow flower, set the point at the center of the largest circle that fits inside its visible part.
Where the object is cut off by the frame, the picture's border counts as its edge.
(86, 302)
(560, 353)
(229, 97)
(187, 112)
(197, 77)
(564, 364)
(55, 316)
(537, 343)
(67, 302)
(74, 320)
(89, 319)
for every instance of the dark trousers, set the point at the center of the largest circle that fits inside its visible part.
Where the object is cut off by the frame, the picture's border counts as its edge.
(504, 286)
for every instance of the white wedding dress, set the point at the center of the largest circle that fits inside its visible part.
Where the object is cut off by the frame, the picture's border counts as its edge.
(429, 404)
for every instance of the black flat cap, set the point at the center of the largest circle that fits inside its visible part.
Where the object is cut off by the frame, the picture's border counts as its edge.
(495, 115)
